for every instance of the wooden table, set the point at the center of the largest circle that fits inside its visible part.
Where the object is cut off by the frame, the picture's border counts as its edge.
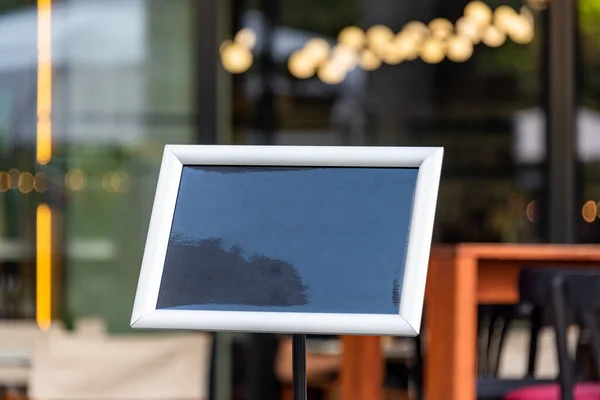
(460, 277)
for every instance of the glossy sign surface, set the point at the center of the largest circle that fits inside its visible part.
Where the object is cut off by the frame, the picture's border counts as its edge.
(276, 239)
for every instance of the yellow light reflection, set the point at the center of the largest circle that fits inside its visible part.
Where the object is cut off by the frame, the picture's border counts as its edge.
(589, 211)
(25, 182)
(40, 184)
(531, 211)
(75, 179)
(44, 267)
(5, 182)
(44, 82)
(14, 175)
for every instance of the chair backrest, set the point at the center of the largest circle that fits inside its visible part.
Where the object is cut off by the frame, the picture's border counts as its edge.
(133, 367)
(575, 292)
(582, 295)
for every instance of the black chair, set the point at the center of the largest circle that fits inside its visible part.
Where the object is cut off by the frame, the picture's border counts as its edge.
(534, 306)
(573, 296)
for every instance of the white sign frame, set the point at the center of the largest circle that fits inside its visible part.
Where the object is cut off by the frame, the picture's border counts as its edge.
(407, 323)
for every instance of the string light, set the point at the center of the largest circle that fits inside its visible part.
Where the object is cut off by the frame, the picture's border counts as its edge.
(75, 180)
(5, 181)
(469, 28)
(407, 44)
(460, 48)
(416, 27)
(589, 211)
(520, 30)
(300, 65)
(369, 60)
(345, 56)
(317, 50)
(432, 51)
(393, 53)
(493, 37)
(502, 17)
(378, 37)
(433, 42)
(441, 27)
(478, 12)
(40, 184)
(25, 182)
(236, 58)
(531, 211)
(246, 37)
(332, 73)
(352, 37)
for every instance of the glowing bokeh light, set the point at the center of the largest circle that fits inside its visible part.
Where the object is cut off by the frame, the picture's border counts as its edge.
(432, 51)
(441, 27)
(469, 28)
(379, 36)
(345, 56)
(493, 37)
(589, 211)
(26, 182)
(75, 180)
(460, 48)
(40, 183)
(317, 50)
(369, 60)
(520, 30)
(246, 37)
(301, 66)
(5, 181)
(502, 17)
(352, 37)
(479, 12)
(236, 58)
(332, 73)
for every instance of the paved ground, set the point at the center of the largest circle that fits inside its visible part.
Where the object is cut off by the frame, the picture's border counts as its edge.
(514, 356)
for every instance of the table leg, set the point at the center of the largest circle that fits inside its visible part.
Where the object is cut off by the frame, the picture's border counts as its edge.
(452, 328)
(361, 376)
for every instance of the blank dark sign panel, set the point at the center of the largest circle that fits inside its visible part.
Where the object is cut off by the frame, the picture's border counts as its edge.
(277, 239)
(320, 240)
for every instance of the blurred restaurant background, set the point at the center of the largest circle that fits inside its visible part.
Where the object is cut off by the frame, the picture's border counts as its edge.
(91, 91)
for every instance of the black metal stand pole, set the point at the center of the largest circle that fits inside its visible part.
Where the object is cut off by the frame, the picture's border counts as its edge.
(299, 366)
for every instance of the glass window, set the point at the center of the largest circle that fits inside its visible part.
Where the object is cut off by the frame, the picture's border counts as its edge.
(109, 83)
(393, 73)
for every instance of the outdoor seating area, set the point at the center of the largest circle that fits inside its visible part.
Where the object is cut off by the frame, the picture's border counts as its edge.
(510, 322)
(201, 199)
